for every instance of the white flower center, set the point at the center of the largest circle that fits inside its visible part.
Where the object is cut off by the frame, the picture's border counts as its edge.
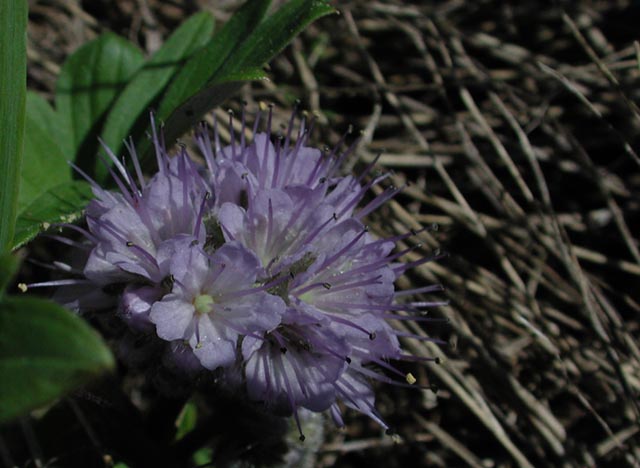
(203, 304)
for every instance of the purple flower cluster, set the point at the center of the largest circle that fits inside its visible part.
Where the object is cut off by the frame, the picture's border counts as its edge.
(256, 264)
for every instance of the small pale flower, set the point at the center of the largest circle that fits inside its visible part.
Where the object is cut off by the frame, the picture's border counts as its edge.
(213, 302)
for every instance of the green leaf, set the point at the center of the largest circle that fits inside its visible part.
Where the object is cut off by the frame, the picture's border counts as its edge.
(45, 117)
(45, 165)
(202, 66)
(183, 118)
(271, 36)
(62, 203)
(187, 419)
(203, 457)
(89, 81)
(150, 80)
(235, 55)
(13, 84)
(9, 264)
(45, 352)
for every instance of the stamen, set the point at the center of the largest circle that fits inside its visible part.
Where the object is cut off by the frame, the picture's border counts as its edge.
(136, 162)
(423, 290)
(340, 159)
(204, 144)
(216, 136)
(46, 284)
(118, 164)
(232, 133)
(125, 192)
(378, 201)
(150, 258)
(159, 148)
(196, 232)
(243, 124)
(84, 232)
(400, 269)
(342, 251)
(356, 199)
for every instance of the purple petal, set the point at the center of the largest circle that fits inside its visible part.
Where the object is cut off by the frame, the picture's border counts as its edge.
(172, 316)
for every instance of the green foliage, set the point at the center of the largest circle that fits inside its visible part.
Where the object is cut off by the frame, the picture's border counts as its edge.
(44, 162)
(13, 83)
(187, 419)
(237, 54)
(199, 71)
(45, 352)
(62, 203)
(151, 79)
(203, 457)
(9, 264)
(89, 81)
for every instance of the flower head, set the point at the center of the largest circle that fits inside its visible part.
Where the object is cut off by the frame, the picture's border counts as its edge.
(256, 265)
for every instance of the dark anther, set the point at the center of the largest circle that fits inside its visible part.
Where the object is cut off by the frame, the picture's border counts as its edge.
(194, 242)
(434, 388)
(129, 244)
(302, 438)
(322, 180)
(283, 350)
(348, 359)
(167, 282)
(372, 336)
(326, 285)
(438, 360)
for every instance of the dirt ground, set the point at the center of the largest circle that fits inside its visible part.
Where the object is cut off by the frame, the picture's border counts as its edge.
(514, 127)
